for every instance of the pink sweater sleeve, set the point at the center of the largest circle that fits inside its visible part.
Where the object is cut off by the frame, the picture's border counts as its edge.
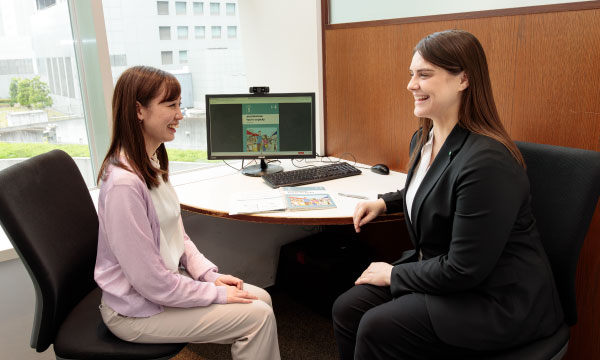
(131, 239)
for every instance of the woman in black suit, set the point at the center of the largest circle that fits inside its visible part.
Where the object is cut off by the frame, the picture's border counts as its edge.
(478, 279)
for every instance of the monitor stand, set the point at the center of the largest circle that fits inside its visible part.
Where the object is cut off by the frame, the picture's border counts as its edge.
(261, 169)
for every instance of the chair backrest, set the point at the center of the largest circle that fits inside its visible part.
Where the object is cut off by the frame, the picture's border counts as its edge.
(48, 215)
(565, 185)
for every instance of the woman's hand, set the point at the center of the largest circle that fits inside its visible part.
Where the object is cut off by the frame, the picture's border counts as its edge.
(378, 273)
(235, 295)
(366, 211)
(230, 281)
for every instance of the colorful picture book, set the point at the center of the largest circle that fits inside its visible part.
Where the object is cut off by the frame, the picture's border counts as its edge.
(287, 198)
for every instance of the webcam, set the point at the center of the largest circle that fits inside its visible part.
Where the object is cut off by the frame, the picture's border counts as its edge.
(259, 89)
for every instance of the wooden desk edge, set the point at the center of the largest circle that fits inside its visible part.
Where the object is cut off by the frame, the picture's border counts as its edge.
(288, 220)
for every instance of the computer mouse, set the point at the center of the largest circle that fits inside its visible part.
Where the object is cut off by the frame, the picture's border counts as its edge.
(380, 169)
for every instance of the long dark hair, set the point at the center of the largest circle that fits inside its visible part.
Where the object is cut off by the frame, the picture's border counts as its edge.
(457, 51)
(138, 84)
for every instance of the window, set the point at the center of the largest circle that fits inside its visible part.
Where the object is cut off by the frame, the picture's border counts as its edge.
(162, 7)
(118, 60)
(216, 32)
(166, 57)
(183, 59)
(164, 32)
(199, 31)
(46, 109)
(42, 4)
(232, 32)
(180, 8)
(182, 32)
(16, 66)
(230, 9)
(215, 8)
(198, 8)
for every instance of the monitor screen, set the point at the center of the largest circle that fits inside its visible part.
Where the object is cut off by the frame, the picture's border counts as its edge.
(265, 126)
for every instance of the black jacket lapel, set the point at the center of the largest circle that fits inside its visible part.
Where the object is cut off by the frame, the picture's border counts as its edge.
(411, 230)
(443, 159)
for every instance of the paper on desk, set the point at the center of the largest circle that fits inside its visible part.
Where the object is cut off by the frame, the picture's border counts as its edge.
(287, 198)
(256, 202)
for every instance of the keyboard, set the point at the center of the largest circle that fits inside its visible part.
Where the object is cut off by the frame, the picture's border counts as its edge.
(310, 175)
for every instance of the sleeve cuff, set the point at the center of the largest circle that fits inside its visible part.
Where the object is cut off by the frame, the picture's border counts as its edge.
(221, 295)
(211, 276)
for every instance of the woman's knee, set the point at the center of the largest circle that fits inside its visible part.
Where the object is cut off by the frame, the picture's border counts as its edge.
(260, 293)
(260, 312)
(373, 325)
(341, 306)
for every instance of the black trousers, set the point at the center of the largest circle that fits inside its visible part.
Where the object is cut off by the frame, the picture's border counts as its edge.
(370, 324)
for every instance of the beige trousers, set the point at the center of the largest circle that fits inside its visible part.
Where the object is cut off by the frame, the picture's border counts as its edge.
(250, 328)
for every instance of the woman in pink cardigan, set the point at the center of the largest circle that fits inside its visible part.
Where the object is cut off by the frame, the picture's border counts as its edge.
(156, 286)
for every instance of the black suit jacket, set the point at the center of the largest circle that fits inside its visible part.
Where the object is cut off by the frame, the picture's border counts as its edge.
(486, 277)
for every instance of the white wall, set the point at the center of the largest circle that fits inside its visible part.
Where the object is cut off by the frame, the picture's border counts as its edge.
(345, 11)
(282, 48)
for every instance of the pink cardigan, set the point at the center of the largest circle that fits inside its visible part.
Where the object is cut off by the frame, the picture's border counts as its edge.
(129, 268)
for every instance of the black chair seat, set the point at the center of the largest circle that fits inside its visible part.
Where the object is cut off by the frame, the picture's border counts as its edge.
(548, 348)
(83, 335)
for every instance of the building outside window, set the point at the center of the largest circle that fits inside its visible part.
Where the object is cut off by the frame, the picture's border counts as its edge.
(183, 56)
(215, 9)
(180, 8)
(199, 32)
(166, 57)
(216, 32)
(162, 7)
(232, 32)
(164, 32)
(198, 8)
(182, 32)
(230, 9)
(188, 55)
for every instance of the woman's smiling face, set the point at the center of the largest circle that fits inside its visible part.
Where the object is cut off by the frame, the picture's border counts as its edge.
(436, 91)
(159, 120)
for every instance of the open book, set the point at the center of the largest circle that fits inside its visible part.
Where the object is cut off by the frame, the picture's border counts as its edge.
(287, 198)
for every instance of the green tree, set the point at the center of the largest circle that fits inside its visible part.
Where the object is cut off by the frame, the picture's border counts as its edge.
(24, 92)
(40, 94)
(13, 90)
(33, 93)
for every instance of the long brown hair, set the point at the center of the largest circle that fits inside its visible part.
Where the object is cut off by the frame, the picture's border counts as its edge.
(138, 84)
(457, 51)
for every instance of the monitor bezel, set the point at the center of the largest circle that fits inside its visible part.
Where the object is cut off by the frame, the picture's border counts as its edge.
(209, 154)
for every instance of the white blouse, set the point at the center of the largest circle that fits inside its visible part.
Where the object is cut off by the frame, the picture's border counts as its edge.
(422, 169)
(167, 207)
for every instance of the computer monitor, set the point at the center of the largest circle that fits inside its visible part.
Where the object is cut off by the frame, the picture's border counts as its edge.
(260, 126)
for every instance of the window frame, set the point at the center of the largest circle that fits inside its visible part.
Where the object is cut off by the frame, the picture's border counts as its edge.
(95, 75)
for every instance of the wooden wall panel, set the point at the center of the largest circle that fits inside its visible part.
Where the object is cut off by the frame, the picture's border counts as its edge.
(545, 72)
(556, 99)
(370, 111)
(362, 117)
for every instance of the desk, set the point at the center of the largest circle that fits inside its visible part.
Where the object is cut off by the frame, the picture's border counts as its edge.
(208, 192)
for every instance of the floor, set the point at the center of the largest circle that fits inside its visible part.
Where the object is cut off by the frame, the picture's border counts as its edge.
(304, 333)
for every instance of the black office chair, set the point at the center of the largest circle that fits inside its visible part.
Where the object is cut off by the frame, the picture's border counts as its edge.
(48, 215)
(565, 185)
